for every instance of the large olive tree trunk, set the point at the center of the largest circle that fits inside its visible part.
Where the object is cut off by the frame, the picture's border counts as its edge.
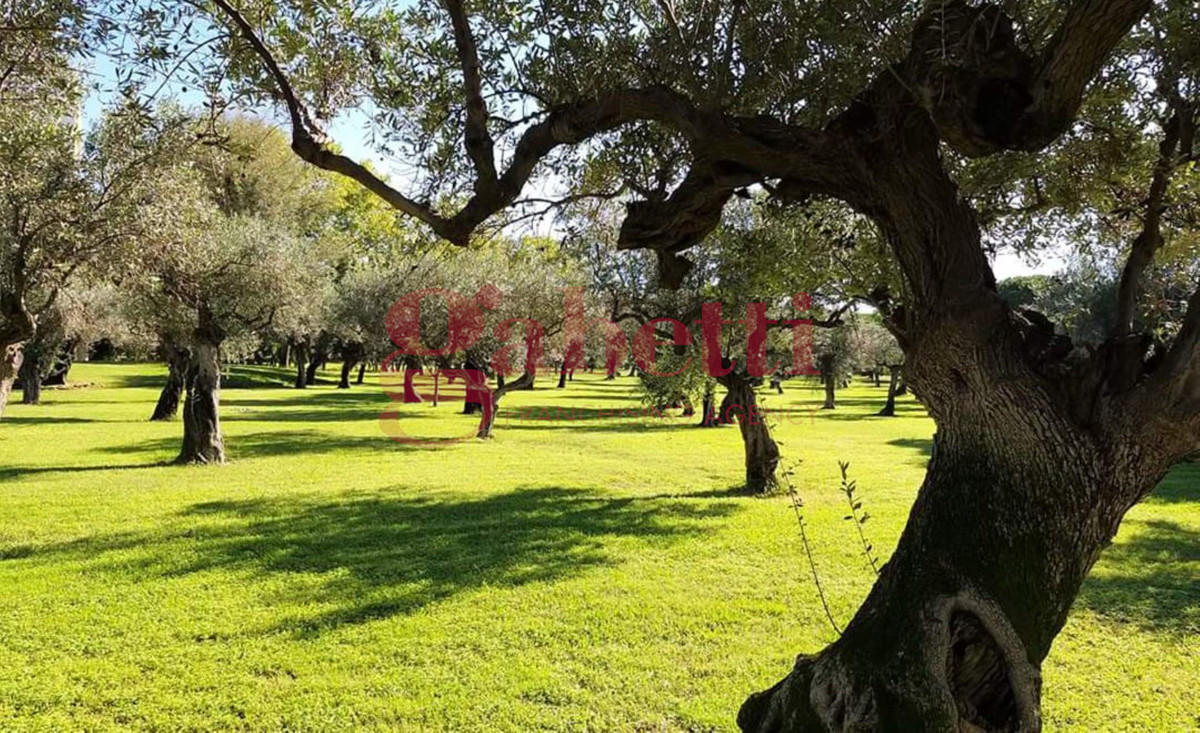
(310, 374)
(178, 359)
(202, 440)
(352, 354)
(762, 455)
(1039, 453)
(1016, 506)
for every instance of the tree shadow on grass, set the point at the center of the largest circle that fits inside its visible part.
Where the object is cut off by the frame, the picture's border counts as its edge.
(924, 445)
(19, 419)
(1149, 580)
(282, 443)
(629, 418)
(12, 472)
(375, 556)
(1180, 485)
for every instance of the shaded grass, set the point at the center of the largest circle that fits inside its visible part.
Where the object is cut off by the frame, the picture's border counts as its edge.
(600, 572)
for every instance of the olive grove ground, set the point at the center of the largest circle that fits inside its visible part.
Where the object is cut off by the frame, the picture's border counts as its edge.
(600, 573)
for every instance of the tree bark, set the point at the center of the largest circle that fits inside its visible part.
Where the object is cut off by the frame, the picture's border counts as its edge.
(10, 364)
(726, 415)
(57, 374)
(352, 354)
(525, 381)
(708, 409)
(301, 356)
(1015, 508)
(562, 378)
(178, 361)
(30, 373)
(829, 380)
(202, 440)
(310, 374)
(362, 371)
(889, 408)
(762, 455)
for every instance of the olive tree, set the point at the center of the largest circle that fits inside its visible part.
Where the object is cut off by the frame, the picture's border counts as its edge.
(887, 107)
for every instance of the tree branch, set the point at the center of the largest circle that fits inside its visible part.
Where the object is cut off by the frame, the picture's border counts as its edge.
(1149, 240)
(1079, 48)
(479, 143)
(311, 147)
(1172, 393)
(988, 92)
(771, 148)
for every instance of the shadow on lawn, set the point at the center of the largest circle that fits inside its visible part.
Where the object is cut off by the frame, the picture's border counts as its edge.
(1181, 484)
(280, 443)
(628, 418)
(20, 419)
(377, 556)
(1148, 580)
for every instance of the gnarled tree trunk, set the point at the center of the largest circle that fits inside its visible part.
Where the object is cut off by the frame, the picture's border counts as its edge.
(310, 374)
(16, 327)
(889, 408)
(352, 355)
(202, 440)
(178, 360)
(525, 381)
(30, 373)
(1016, 506)
(762, 455)
(1037, 457)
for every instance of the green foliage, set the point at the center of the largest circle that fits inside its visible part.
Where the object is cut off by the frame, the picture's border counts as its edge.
(1082, 301)
(684, 388)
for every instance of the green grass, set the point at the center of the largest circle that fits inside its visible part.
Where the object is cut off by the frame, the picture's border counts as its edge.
(599, 575)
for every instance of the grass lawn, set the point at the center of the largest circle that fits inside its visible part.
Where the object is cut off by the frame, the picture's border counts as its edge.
(599, 574)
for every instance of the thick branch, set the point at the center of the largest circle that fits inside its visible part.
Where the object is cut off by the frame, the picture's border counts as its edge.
(1182, 364)
(770, 148)
(311, 148)
(478, 142)
(1149, 240)
(988, 92)
(1088, 34)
